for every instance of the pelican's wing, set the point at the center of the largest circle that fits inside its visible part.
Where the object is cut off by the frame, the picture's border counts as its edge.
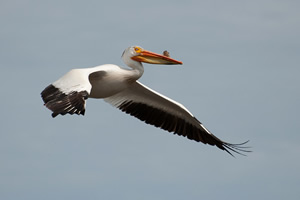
(160, 111)
(68, 94)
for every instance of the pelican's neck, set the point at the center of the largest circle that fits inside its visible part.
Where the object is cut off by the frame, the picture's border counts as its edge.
(137, 68)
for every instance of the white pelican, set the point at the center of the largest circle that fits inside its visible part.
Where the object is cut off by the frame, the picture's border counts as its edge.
(119, 87)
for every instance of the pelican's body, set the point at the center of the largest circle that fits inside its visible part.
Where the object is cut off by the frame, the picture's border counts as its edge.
(119, 87)
(102, 81)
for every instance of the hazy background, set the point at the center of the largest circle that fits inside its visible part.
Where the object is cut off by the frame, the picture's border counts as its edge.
(240, 77)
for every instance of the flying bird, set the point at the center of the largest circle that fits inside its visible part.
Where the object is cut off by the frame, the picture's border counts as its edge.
(120, 87)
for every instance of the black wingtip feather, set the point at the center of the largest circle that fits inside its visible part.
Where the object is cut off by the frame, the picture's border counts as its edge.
(237, 148)
(61, 103)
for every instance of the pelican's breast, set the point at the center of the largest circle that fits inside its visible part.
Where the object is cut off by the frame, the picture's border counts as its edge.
(108, 80)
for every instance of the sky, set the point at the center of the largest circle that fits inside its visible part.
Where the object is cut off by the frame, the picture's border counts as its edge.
(240, 78)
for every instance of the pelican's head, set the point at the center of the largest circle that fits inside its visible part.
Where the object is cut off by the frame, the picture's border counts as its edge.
(136, 53)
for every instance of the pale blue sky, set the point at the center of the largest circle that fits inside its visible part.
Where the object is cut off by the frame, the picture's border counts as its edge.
(240, 78)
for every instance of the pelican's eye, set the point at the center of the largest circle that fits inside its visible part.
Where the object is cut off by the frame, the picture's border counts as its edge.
(137, 49)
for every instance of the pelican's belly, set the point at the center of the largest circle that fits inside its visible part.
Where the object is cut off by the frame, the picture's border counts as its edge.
(107, 86)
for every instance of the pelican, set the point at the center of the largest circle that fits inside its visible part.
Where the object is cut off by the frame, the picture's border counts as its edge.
(120, 87)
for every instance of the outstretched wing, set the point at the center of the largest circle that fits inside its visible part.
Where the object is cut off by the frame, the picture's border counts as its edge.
(160, 111)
